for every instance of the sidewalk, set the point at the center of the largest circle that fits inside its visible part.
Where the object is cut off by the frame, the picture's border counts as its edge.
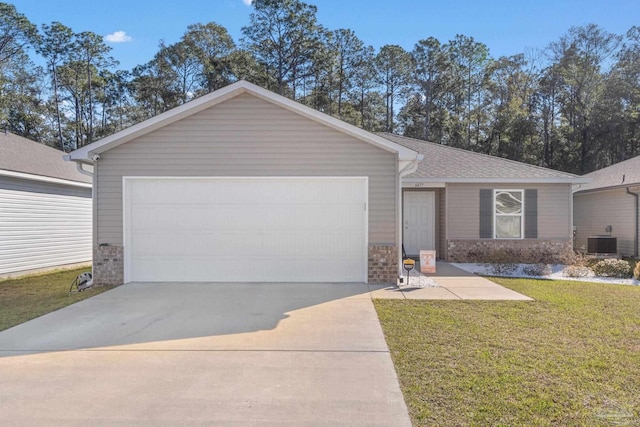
(448, 283)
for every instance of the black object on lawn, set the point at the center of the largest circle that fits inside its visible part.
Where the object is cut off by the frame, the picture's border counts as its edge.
(83, 282)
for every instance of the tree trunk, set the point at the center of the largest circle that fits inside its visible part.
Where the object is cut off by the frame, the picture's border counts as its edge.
(57, 102)
(584, 150)
(90, 136)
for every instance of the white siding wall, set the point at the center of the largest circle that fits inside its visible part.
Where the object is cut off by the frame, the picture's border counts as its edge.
(246, 136)
(554, 211)
(592, 212)
(43, 225)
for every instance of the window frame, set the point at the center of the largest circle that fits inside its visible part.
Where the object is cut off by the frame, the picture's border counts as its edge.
(521, 215)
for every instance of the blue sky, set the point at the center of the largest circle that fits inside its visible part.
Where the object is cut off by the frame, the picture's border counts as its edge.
(507, 27)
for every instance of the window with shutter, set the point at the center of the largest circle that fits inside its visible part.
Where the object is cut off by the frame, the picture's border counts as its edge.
(508, 214)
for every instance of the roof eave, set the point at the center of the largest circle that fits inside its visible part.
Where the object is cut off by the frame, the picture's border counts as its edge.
(42, 178)
(577, 180)
(606, 188)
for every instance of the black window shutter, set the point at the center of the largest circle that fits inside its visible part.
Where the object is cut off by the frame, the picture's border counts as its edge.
(486, 214)
(531, 214)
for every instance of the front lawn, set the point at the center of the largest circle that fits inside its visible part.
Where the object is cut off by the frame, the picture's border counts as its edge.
(29, 297)
(570, 358)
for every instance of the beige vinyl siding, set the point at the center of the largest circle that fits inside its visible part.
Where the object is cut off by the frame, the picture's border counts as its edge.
(593, 211)
(43, 225)
(554, 209)
(247, 136)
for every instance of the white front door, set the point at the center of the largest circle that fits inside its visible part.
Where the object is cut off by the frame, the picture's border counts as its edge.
(419, 218)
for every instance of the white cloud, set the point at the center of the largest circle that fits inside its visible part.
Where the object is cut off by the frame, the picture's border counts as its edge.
(118, 37)
(247, 2)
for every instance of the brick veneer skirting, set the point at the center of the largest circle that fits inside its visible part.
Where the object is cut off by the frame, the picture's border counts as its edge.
(383, 263)
(108, 266)
(524, 251)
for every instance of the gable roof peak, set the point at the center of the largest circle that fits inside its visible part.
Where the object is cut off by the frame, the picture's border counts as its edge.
(209, 100)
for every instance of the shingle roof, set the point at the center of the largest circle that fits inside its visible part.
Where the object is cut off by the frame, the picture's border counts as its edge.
(621, 174)
(443, 163)
(18, 154)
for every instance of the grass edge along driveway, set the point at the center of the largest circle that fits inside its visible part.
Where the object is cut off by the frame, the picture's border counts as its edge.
(27, 297)
(571, 357)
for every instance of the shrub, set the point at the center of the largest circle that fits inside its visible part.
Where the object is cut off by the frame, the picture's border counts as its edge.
(577, 271)
(500, 262)
(537, 269)
(636, 271)
(502, 268)
(580, 259)
(612, 268)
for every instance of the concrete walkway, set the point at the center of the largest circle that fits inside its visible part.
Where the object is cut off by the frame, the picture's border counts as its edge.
(449, 283)
(204, 354)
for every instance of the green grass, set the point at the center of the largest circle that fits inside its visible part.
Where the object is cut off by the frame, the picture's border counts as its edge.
(29, 297)
(570, 358)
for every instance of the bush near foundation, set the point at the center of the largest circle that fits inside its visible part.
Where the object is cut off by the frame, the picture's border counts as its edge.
(618, 268)
(537, 269)
(577, 271)
(636, 271)
(500, 262)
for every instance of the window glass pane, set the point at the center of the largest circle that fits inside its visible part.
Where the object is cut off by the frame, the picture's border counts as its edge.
(509, 202)
(508, 227)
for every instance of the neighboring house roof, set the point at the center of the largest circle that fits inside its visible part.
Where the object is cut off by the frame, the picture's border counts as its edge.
(443, 163)
(86, 153)
(23, 158)
(623, 174)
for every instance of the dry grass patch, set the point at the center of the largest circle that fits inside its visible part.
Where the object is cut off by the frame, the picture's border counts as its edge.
(29, 297)
(570, 358)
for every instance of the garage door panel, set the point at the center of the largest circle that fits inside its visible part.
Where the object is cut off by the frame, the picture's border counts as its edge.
(150, 269)
(152, 244)
(256, 229)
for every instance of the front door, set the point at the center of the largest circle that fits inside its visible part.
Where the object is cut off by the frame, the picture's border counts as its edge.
(419, 215)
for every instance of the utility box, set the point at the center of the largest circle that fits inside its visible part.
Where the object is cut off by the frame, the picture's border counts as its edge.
(602, 245)
(427, 261)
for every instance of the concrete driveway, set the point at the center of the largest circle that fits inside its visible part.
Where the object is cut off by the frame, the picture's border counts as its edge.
(204, 354)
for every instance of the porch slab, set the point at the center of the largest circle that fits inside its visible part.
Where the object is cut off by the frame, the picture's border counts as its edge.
(437, 293)
(466, 282)
(452, 283)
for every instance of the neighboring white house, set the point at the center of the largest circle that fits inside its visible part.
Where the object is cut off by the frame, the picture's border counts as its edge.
(45, 208)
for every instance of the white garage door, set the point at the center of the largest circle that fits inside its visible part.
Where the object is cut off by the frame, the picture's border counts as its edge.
(245, 229)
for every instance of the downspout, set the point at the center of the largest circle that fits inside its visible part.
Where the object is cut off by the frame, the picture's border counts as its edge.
(409, 168)
(635, 237)
(94, 200)
(67, 158)
(84, 172)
